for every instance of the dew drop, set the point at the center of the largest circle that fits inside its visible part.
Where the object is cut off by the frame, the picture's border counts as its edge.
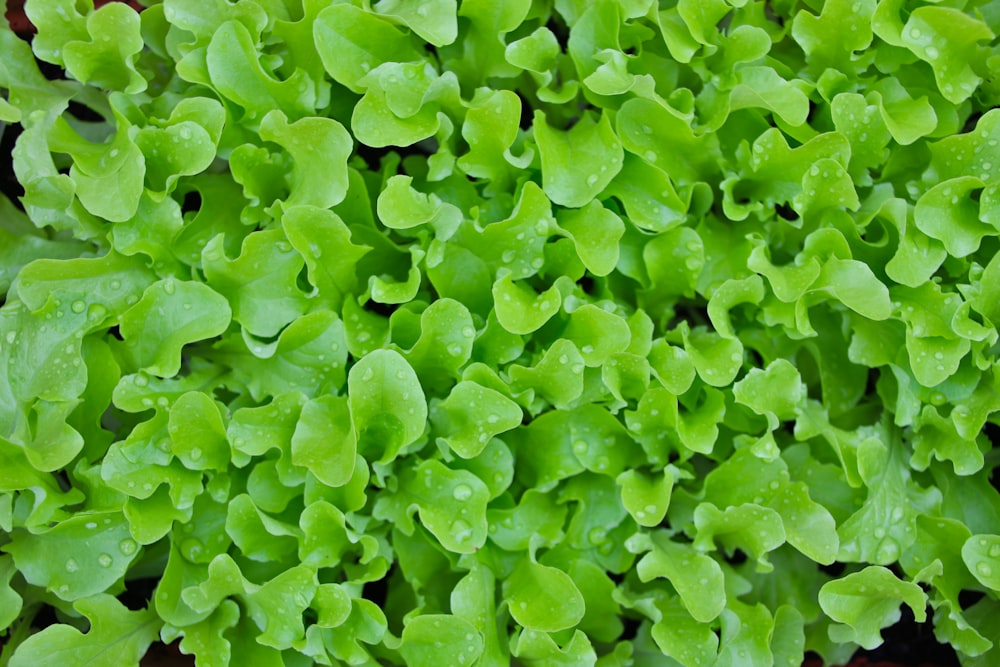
(889, 551)
(72, 565)
(192, 548)
(462, 492)
(984, 569)
(461, 530)
(597, 536)
(127, 546)
(78, 306)
(195, 453)
(105, 560)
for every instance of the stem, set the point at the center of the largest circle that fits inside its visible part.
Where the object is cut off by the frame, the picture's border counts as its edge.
(18, 634)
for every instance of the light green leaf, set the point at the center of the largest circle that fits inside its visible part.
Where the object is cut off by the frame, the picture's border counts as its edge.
(543, 598)
(521, 310)
(352, 42)
(745, 478)
(104, 62)
(471, 415)
(387, 403)
(539, 648)
(855, 285)
(429, 639)
(451, 504)
(905, 118)
(434, 21)
(537, 517)
(171, 314)
(672, 366)
(648, 194)
(883, 527)
(117, 636)
(260, 284)
(325, 441)
(864, 602)
(235, 69)
(753, 528)
(776, 389)
(597, 333)
(949, 213)
(697, 578)
(557, 376)
(445, 343)
(761, 86)
(646, 496)
(198, 433)
(316, 234)
(851, 21)
(716, 359)
(945, 38)
(310, 356)
(981, 554)
(258, 535)
(490, 128)
(9, 598)
(276, 607)
(79, 557)
(595, 231)
(678, 635)
(580, 162)
(319, 148)
(183, 149)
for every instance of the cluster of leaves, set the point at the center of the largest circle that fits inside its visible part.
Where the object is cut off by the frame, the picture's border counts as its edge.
(537, 332)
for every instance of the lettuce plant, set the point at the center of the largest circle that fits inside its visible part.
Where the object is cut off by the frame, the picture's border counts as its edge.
(534, 332)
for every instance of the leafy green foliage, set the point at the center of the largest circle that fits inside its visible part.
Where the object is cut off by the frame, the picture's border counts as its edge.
(548, 319)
